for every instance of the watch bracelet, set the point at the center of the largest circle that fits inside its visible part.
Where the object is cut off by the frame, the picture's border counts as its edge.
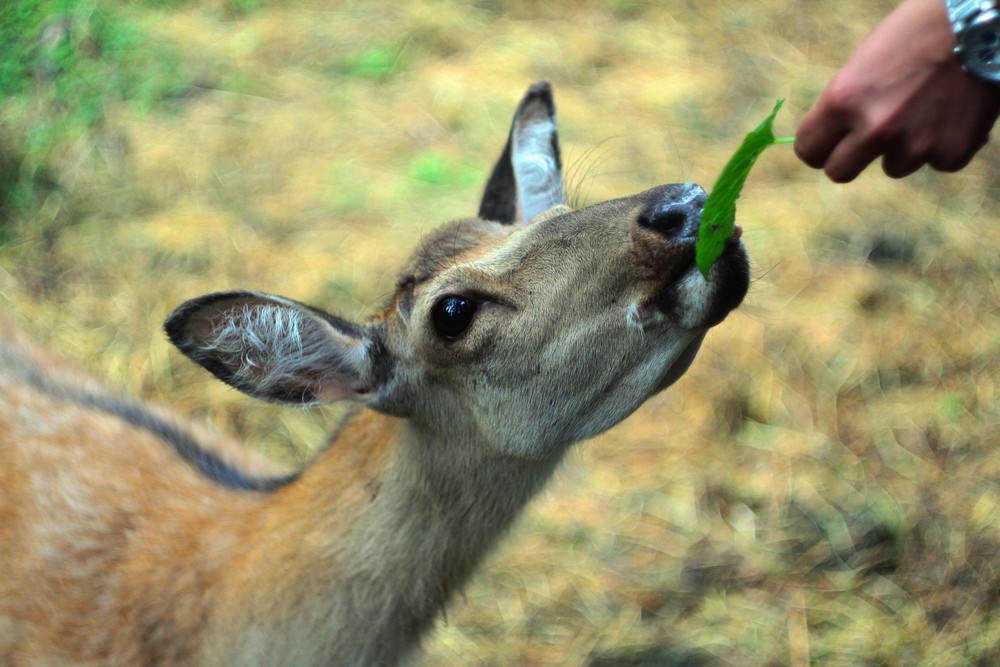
(960, 11)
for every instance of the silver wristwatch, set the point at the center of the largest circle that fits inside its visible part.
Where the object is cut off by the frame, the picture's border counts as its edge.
(977, 30)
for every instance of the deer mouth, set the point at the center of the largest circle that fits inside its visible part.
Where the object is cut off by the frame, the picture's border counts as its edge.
(668, 225)
(694, 302)
(729, 279)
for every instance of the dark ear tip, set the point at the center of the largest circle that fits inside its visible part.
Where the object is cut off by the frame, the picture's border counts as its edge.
(539, 92)
(176, 325)
(540, 88)
(173, 326)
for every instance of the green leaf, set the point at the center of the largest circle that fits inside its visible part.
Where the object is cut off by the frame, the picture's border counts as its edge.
(718, 219)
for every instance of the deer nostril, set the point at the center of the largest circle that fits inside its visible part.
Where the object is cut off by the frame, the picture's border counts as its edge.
(674, 211)
(670, 221)
(674, 220)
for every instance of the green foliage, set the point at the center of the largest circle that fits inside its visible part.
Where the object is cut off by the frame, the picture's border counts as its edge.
(432, 168)
(376, 63)
(20, 189)
(88, 53)
(62, 63)
(242, 7)
(15, 20)
(718, 219)
(952, 408)
(227, 9)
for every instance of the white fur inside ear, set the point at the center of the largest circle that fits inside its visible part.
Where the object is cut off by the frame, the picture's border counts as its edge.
(536, 167)
(270, 347)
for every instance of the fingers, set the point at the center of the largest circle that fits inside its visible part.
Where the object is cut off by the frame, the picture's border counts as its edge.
(850, 157)
(903, 157)
(896, 166)
(946, 146)
(835, 137)
(842, 153)
(905, 142)
(952, 162)
(856, 149)
(899, 159)
(818, 135)
(959, 142)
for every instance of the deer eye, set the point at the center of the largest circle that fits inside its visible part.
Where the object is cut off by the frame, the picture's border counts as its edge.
(452, 315)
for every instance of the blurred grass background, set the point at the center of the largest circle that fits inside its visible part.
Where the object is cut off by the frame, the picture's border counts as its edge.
(821, 488)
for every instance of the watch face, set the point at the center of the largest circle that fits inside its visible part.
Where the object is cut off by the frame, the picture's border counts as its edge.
(981, 46)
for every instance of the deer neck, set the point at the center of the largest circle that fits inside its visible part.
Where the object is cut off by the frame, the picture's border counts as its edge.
(401, 518)
(444, 498)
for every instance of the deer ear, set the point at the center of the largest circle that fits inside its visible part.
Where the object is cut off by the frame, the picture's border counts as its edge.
(527, 179)
(277, 349)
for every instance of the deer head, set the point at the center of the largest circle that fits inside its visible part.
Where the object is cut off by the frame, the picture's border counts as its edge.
(525, 329)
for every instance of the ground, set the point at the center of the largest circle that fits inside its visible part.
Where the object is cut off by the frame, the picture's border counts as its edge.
(820, 488)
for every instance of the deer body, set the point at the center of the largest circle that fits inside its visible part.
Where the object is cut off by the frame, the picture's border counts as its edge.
(131, 537)
(160, 551)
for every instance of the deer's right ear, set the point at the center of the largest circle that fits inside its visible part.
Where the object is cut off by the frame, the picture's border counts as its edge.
(527, 179)
(277, 349)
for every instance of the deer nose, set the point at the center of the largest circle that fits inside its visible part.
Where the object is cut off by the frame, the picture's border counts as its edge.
(677, 213)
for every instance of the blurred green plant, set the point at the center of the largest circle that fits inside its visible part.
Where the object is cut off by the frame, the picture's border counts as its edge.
(62, 63)
(952, 408)
(88, 53)
(375, 63)
(20, 190)
(227, 8)
(432, 168)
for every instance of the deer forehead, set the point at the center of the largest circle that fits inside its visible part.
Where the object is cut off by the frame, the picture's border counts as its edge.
(593, 248)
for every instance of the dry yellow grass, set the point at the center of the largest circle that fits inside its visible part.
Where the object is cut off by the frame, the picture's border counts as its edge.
(821, 488)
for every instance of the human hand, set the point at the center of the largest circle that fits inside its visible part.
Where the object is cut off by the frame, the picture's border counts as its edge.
(901, 95)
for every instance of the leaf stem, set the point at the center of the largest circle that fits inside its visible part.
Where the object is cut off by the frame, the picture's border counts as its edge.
(784, 140)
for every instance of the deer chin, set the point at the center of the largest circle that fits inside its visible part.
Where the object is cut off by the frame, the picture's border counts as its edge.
(693, 302)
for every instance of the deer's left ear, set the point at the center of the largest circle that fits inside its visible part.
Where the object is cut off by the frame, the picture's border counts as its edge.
(277, 349)
(527, 179)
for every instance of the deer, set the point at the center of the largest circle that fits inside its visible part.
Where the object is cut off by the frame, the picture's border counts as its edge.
(132, 536)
